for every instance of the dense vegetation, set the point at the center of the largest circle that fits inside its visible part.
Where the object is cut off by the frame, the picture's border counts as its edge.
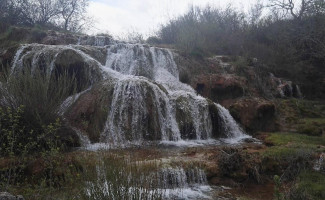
(289, 38)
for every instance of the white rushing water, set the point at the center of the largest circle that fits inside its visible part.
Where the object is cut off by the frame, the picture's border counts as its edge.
(157, 67)
(147, 97)
(165, 183)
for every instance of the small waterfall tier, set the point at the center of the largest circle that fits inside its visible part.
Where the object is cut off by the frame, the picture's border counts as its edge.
(158, 183)
(129, 94)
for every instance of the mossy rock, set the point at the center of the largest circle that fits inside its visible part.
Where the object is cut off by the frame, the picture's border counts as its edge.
(70, 62)
(183, 118)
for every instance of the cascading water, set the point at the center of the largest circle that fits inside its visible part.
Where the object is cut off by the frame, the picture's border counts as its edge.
(173, 178)
(130, 119)
(147, 103)
(44, 58)
(180, 183)
(160, 72)
(233, 131)
(164, 183)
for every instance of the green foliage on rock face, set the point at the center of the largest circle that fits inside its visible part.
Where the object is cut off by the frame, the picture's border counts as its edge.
(302, 116)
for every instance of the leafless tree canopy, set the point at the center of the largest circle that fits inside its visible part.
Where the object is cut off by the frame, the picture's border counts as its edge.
(298, 8)
(66, 14)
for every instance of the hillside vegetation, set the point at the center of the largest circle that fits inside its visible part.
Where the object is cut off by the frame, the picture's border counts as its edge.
(289, 38)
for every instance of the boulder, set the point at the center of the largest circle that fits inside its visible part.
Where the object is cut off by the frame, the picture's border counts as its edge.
(71, 62)
(219, 87)
(57, 38)
(89, 113)
(255, 114)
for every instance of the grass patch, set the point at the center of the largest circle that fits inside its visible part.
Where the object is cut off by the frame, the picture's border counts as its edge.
(311, 185)
(291, 154)
(311, 126)
(279, 139)
(289, 144)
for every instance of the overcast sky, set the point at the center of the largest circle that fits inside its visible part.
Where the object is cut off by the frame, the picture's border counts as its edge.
(119, 17)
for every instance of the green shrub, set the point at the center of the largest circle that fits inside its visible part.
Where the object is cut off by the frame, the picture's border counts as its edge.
(29, 108)
(40, 94)
(19, 138)
(277, 188)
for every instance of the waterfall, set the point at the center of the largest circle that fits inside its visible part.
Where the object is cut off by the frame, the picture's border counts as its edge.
(43, 57)
(130, 118)
(147, 101)
(164, 182)
(173, 178)
(232, 130)
(146, 68)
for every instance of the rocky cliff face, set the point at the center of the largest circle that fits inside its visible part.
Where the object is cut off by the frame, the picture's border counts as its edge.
(247, 88)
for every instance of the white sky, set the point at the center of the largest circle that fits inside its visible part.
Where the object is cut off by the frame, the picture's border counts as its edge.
(118, 17)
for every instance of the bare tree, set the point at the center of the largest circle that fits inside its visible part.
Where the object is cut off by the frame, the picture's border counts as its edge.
(255, 13)
(3, 5)
(299, 8)
(73, 12)
(46, 10)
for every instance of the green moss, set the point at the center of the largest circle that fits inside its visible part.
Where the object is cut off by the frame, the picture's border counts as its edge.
(279, 139)
(312, 184)
(279, 152)
(288, 146)
(311, 126)
(301, 114)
